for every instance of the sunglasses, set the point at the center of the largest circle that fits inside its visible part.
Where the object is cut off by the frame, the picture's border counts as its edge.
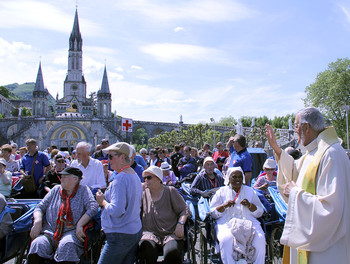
(110, 156)
(269, 169)
(147, 178)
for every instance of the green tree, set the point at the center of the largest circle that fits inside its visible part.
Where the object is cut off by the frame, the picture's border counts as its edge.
(4, 91)
(26, 112)
(140, 137)
(262, 121)
(227, 121)
(329, 92)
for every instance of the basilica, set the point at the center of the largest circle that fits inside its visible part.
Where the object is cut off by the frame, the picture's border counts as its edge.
(74, 117)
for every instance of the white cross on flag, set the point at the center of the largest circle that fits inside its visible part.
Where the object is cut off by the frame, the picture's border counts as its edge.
(126, 125)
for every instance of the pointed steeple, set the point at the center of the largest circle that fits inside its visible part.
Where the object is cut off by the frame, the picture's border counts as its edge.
(39, 84)
(75, 35)
(105, 84)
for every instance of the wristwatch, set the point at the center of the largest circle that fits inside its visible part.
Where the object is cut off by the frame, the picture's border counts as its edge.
(181, 222)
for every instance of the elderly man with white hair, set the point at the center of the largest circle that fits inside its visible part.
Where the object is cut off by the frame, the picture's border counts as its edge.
(317, 190)
(93, 175)
(236, 208)
(207, 179)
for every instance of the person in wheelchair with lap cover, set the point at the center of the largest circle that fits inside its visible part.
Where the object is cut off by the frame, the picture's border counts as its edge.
(236, 208)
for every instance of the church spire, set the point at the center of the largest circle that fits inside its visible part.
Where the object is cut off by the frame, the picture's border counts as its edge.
(105, 84)
(39, 84)
(75, 40)
(104, 97)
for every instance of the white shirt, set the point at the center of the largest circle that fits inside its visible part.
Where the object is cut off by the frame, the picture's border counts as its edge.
(12, 165)
(93, 175)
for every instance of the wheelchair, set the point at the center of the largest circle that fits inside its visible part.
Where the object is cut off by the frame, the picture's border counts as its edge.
(16, 244)
(272, 223)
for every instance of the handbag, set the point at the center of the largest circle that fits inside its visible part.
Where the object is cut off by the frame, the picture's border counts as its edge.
(28, 182)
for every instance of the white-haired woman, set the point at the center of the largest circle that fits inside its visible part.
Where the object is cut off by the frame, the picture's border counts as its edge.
(121, 207)
(236, 208)
(164, 213)
(59, 219)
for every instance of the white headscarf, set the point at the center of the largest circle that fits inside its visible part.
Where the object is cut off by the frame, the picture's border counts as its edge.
(229, 172)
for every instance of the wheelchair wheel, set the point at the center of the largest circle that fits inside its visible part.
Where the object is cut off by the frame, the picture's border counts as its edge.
(97, 248)
(23, 253)
(204, 247)
(276, 248)
(191, 253)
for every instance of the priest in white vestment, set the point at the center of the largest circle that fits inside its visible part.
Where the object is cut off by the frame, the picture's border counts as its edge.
(317, 190)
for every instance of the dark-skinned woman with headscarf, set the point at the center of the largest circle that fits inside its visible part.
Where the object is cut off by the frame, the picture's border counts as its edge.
(236, 208)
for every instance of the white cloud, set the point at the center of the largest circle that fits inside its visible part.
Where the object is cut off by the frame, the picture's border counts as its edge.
(204, 10)
(11, 48)
(178, 29)
(35, 14)
(169, 52)
(135, 67)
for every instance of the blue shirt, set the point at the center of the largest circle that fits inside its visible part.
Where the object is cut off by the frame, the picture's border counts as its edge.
(138, 169)
(122, 213)
(41, 162)
(241, 159)
(139, 160)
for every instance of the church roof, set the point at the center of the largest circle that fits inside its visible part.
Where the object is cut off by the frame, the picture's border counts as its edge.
(105, 84)
(39, 84)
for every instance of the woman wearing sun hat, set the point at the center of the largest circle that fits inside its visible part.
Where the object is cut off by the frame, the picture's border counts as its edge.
(268, 177)
(163, 217)
(121, 207)
(169, 177)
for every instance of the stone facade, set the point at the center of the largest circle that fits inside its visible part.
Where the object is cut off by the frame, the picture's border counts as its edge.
(77, 118)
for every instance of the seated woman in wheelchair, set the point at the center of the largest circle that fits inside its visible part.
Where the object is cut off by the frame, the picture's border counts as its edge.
(268, 177)
(59, 219)
(164, 213)
(236, 208)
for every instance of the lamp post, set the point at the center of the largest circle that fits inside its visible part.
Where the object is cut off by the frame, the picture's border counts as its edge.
(213, 120)
(346, 108)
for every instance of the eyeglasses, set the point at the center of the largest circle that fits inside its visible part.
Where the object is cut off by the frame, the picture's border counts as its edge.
(110, 156)
(147, 178)
(269, 169)
(60, 161)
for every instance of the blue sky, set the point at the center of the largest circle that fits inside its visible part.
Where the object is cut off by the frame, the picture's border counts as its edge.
(197, 58)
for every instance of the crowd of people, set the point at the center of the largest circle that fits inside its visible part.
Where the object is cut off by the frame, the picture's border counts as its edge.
(142, 211)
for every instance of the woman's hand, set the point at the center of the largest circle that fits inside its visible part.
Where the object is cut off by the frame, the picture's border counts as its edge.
(179, 230)
(249, 205)
(36, 229)
(100, 197)
(79, 232)
(222, 207)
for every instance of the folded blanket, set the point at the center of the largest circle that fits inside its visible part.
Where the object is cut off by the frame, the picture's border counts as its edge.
(243, 235)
